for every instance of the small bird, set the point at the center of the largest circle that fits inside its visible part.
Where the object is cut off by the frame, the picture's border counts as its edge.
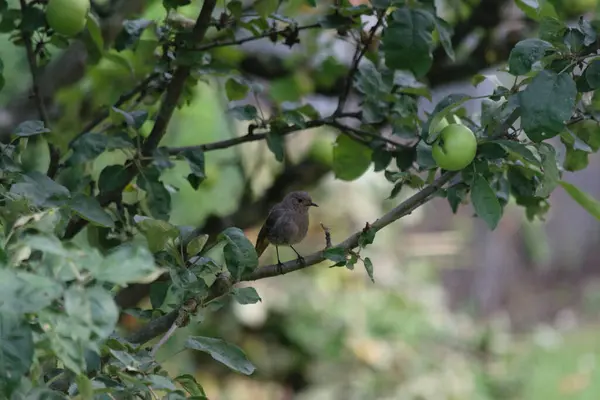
(286, 224)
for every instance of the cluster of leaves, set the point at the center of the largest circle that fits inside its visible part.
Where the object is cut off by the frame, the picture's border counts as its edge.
(58, 319)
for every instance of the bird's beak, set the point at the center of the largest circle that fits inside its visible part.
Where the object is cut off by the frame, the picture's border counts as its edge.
(314, 204)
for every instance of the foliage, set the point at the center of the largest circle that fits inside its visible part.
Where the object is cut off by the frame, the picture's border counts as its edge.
(73, 237)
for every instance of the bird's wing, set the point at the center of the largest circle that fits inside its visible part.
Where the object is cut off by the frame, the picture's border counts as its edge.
(262, 241)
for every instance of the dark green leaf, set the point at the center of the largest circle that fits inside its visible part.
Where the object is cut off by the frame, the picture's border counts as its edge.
(586, 201)
(195, 159)
(546, 104)
(159, 198)
(131, 33)
(112, 178)
(172, 4)
(552, 30)
(367, 236)
(408, 41)
(485, 202)
(551, 174)
(381, 159)
(369, 268)
(16, 347)
(350, 158)
(30, 128)
(239, 252)
(158, 293)
(525, 54)
(223, 352)
(592, 74)
(127, 263)
(246, 295)
(588, 31)
(121, 117)
(526, 152)
(160, 382)
(191, 386)
(456, 195)
(445, 32)
(275, 142)
(335, 254)
(89, 209)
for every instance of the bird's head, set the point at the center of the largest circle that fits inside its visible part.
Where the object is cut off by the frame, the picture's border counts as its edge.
(299, 201)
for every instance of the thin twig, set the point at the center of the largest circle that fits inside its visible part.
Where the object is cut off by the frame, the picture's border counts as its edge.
(141, 87)
(263, 35)
(39, 99)
(354, 67)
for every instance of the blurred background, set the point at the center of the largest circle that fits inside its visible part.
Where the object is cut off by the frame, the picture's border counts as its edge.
(456, 311)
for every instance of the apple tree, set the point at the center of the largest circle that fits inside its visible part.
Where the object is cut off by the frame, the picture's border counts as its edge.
(74, 239)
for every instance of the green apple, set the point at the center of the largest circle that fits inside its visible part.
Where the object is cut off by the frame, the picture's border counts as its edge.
(455, 147)
(67, 17)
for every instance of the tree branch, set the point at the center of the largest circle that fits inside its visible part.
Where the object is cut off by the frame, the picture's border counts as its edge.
(162, 324)
(37, 93)
(165, 113)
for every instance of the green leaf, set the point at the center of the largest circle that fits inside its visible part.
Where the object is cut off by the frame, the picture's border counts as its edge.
(536, 9)
(246, 295)
(157, 232)
(160, 382)
(526, 152)
(244, 113)
(191, 386)
(91, 310)
(552, 29)
(40, 190)
(90, 145)
(551, 174)
(159, 198)
(195, 159)
(23, 292)
(235, 89)
(112, 178)
(30, 128)
(16, 347)
(93, 27)
(264, 8)
(485, 202)
(89, 209)
(223, 352)
(127, 263)
(275, 142)
(445, 32)
(172, 4)
(240, 255)
(408, 41)
(350, 158)
(366, 237)
(131, 33)
(335, 254)
(546, 104)
(369, 268)
(196, 245)
(586, 201)
(456, 194)
(592, 74)
(525, 54)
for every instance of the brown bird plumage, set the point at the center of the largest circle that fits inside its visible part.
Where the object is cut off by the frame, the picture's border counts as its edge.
(286, 224)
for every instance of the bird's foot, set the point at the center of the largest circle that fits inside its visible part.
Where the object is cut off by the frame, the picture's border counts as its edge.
(279, 268)
(300, 260)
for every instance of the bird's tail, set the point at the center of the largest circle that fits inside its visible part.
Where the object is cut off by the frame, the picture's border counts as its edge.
(261, 242)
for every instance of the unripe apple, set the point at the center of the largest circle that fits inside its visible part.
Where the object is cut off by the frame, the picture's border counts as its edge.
(455, 147)
(67, 17)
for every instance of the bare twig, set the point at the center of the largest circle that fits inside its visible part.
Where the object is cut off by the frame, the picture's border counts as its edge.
(327, 236)
(39, 100)
(234, 42)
